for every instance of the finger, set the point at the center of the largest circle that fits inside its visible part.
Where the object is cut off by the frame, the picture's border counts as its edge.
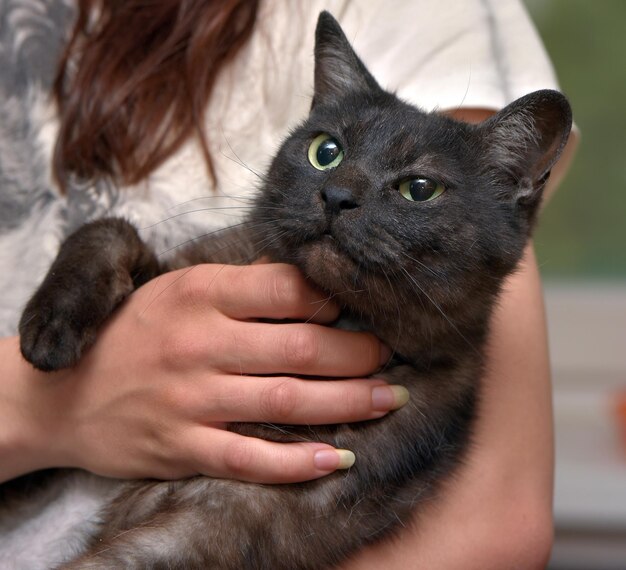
(296, 401)
(232, 456)
(265, 291)
(298, 348)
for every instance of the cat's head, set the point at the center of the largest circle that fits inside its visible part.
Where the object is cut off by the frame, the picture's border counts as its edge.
(371, 194)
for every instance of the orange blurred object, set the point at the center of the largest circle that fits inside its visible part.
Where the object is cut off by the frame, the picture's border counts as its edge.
(620, 417)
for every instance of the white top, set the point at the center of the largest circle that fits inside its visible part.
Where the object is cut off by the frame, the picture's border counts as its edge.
(438, 54)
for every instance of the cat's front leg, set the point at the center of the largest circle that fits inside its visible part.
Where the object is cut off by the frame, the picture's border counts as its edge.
(97, 267)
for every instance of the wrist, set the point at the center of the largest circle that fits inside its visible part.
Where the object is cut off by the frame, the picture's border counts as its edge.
(31, 415)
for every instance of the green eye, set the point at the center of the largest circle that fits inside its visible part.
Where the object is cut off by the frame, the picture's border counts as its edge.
(420, 189)
(325, 152)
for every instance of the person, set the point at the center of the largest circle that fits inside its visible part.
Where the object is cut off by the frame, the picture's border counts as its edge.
(186, 353)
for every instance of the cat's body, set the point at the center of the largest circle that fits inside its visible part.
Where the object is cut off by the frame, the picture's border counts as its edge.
(419, 264)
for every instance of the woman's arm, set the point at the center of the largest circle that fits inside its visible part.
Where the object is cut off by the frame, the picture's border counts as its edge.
(176, 362)
(497, 511)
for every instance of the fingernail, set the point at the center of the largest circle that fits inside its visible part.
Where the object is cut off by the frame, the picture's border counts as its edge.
(385, 398)
(385, 354)
(331, 459)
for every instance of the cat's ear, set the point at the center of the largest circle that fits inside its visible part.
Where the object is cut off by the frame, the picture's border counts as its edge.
(525, 139)
(338, 70)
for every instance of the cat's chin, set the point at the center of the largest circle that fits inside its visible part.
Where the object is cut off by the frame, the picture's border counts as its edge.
(326, 264)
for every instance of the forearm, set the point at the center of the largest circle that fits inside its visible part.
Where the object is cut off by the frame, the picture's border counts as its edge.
(496, 511)
(28, 404)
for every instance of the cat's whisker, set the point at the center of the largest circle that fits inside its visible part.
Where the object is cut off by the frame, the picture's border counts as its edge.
(366, 284)
(284, 431)
(248, 204)
(323, 303)
(231, 197)
(399, 319)
(422, 265)
(398, 519)
(440, 310)
(429, 327)
(380, 530)
(237, 159)
(240, 162)
(352, 509)
(197, 210)
(356, 274)
(196, 238)
(467, 88)
(267, 242)
(157, 279)
(352, 291)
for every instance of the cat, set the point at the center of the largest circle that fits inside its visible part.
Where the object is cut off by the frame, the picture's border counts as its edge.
(411, 221)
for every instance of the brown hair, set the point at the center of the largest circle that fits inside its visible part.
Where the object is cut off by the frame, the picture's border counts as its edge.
(135, 79)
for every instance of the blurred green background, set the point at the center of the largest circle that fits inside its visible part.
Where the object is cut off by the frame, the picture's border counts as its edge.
(582, 233)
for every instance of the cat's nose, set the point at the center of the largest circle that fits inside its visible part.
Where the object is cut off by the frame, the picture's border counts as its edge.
(337, 198)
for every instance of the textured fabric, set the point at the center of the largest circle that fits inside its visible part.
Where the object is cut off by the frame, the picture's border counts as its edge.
(439, 54)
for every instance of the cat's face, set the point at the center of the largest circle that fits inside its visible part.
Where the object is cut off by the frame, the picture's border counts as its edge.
(370, 194)
(377, 189)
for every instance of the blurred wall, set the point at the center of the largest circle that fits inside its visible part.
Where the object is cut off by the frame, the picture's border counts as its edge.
(583, 231)
(581, 247)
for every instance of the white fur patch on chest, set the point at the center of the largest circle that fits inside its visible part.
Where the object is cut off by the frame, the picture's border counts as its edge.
(55, 526)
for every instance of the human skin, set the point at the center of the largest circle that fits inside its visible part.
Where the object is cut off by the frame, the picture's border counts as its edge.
(176, 362)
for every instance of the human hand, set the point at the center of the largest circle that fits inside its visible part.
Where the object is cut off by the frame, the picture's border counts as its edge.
(181, 358)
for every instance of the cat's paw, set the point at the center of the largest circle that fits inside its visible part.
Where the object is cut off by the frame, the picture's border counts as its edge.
(48, 342)
(97, 267)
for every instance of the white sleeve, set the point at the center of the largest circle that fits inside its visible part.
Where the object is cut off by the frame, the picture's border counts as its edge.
(444, 54)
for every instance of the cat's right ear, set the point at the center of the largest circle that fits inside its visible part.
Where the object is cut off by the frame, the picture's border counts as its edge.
(524, 141)
(338, 70)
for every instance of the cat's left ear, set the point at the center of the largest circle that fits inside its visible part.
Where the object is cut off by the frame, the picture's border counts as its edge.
(338, 69)
(524, 141)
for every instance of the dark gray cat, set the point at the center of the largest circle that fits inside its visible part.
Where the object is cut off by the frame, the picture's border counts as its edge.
(411, 221)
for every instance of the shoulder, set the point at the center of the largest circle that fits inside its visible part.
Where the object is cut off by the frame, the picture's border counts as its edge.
(444, 54)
